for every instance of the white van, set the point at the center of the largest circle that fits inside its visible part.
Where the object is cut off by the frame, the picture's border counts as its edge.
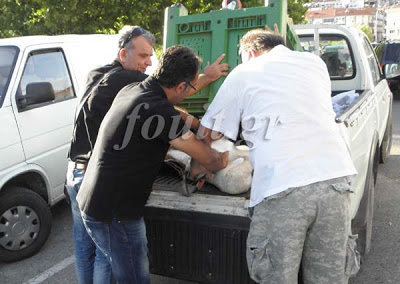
(41, 78)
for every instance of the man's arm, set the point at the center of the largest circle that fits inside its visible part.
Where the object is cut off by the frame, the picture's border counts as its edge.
(190, 121)
(207, 135)
(206, 156)
(211, 73)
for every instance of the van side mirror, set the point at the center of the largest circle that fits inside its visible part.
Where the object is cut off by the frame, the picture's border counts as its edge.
(36, 93)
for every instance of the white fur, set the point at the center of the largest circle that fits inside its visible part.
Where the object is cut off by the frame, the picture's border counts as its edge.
(236, 177)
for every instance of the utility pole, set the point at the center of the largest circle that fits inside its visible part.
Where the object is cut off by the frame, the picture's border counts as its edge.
(376, 21)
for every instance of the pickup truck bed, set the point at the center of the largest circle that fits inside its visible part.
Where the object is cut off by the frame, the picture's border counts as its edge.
(203, 240)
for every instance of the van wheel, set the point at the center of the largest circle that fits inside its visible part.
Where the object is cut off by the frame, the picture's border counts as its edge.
(25, 223)
(362, 223)
(387, 141)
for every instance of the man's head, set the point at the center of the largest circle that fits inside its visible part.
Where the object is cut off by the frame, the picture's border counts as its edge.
(135, 48)
(177, 72)
(257, 42)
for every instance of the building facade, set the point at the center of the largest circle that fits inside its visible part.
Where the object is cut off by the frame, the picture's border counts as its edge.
(372, 17)
(393, 23)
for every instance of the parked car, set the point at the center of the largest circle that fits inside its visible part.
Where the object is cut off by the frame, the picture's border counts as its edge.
(41, 80)
(388, 54)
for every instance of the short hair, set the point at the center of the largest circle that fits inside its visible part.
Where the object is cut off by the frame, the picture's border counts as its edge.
(259, 40)
(178, 64)
(125, 34)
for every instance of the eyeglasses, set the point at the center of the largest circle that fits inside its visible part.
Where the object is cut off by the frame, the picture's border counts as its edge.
(193, 87)
(135, 32)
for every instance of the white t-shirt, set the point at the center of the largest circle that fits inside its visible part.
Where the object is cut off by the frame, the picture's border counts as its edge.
(283, 100)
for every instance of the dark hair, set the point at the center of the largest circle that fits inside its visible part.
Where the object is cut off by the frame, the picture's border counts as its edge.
(178, 64)
(260, 40)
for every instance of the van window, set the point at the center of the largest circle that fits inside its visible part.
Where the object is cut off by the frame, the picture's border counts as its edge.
(8, 56)
(45, 73)
(372, 61)
(335, 52)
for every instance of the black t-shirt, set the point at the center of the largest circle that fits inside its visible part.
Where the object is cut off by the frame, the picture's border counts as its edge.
(131, 146)
(102, 86)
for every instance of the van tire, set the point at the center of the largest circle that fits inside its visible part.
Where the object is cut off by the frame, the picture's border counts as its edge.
(387, 140)
(25, 216)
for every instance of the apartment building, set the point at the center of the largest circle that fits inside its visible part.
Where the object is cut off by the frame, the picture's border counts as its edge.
(393, 23)
(372, 17)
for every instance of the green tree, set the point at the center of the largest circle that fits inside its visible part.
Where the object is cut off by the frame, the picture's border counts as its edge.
(297, 11)
(30, 17)
(368, 31)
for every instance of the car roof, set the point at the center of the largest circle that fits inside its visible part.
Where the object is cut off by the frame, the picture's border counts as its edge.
(23, 42)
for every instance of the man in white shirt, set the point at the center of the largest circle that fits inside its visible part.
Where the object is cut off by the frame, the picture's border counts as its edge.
(299, 198)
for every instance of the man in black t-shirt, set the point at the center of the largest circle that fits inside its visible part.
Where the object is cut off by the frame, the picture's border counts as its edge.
(103, 84)
(132, 143)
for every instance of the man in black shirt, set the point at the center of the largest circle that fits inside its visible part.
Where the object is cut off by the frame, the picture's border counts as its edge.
(132, 143)
(136, 48)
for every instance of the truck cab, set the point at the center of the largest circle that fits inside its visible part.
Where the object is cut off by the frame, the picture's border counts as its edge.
(366, 123)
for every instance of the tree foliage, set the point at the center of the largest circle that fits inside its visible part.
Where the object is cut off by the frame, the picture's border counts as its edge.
(32, 17)
(368, 31)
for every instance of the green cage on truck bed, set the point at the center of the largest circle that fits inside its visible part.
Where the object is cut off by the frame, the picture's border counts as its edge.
(214, 33)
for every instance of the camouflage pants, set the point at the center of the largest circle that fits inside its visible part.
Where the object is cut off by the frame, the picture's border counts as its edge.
(309, 224)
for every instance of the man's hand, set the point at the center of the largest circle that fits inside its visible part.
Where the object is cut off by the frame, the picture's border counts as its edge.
(275, 31)
(211, 159)
(216, 70)
(211, 73)
(197, 169)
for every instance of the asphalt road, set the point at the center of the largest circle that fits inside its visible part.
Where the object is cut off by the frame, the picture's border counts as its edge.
(54, 263)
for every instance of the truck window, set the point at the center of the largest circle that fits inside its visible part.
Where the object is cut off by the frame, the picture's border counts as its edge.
(47, 71)
(335, 52)
(372, 61)
(8, 56)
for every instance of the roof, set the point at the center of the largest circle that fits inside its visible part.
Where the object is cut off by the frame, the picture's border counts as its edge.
(392, 8)
(340, 12)
(25, 41)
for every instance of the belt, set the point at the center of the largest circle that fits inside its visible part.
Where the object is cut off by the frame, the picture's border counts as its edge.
(80, 166)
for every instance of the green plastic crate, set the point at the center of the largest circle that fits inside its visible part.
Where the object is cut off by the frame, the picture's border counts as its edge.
(217, 32)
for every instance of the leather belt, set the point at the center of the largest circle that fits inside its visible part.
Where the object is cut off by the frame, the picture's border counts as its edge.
(80, 166)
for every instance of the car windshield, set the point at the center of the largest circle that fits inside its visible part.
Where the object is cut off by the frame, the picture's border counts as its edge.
(8, 55)
(392, 53)
(335, 52)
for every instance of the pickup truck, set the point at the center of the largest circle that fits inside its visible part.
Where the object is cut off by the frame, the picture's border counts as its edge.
(41, 78)
(202, 238)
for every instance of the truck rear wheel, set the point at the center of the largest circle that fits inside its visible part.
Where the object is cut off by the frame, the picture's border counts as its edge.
(362, 223)
(25, 223)
(364, 230)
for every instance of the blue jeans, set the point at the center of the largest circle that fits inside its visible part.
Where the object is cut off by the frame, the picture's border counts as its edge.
(91, 266)
(125, 245)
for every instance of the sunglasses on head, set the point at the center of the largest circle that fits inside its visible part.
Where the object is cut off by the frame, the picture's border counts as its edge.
(135, 32)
